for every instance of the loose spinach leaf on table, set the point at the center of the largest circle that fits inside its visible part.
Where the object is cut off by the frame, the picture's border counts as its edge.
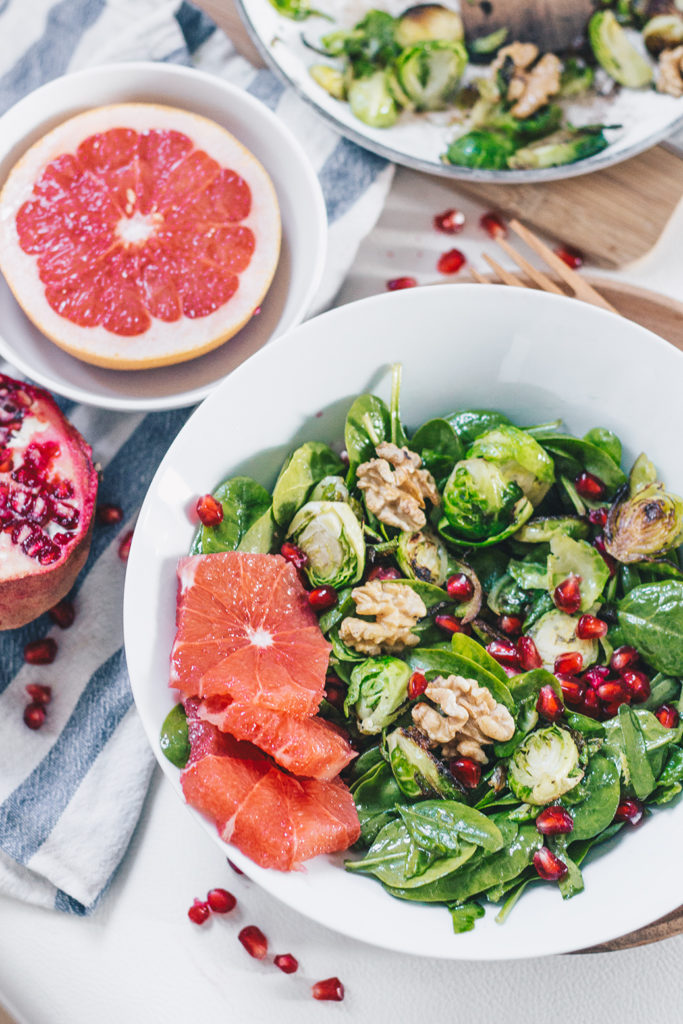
(651, 620)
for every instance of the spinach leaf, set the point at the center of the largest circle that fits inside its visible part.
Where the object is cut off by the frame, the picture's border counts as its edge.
(640, 776)
(673, 769)
(377, 797)
(651, 620)
(174, 739)
(244, 502)
(464, 915)
(529, 684)
(398, 434)
(440, 826)
(597, 809)
(472, 423)
(440, 447)
(262, 536)
(574, 451)
(362, 764)
(473, 651)
(572, 883)
(446, 663)
(607, 440)
(387, 859)
(665, 794)
(515, 892)
(367, 424)
(304, 468)
(429, 592)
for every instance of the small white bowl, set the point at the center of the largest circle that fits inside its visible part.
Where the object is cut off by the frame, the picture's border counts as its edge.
(304, 231)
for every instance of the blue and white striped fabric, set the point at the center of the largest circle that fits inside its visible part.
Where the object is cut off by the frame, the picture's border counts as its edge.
(71, 793)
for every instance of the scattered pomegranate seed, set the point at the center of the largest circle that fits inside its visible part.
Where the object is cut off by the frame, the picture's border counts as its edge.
(286, 962)
(493, 224)
(450, 262)
(450, 222)
(529, 658)
(63, 613)
(591, 704)
(35, 715)
(637, 684)
(124, 545)
(590, 628)
(199, 912)
(667, 716)
(549, 704)
(238, 871)
(460, 587)
(510, 624)
(448, 623)
(384, 572)
(417, 685)
(623, 658)
(567, 595)
(322, 598)
(397, 284)
(572, 690)
(254, 941)
(569, 255)
(554, 821)
(209, 510)
(330, 988)
(598, 516)
(611, 691)
(548, 866)
(504, 651)
(109, 515)
(40, 652)
(292, 553)
(221, 901)
(590, 486)
(630, 811)
(596, 676)
(466, 771)
(569, 663)
(38, 693)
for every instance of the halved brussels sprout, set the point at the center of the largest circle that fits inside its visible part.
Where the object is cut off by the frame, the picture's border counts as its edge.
(615, 52)
(377, 692)
(422, 556)
(525, 129)
(570, 557)
(544, 766)
(428, 21)
(576, 78)
(645, 525)
(430, 73)
(562, 147)
(332, 538)
(538, 531)
(330, 79)
(555, 634)
(416, 770)
(481, 504)
(519, 457)
(330, 488)
(486, 46)
(371, 102)
(486, 149)
(662, 32)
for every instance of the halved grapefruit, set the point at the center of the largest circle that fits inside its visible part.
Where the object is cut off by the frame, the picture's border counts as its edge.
(245, 630)
(138, 235)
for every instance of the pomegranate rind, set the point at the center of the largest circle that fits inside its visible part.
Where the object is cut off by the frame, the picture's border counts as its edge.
(163, 343)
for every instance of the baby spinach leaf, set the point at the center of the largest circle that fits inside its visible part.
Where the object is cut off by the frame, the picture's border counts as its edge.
(515, 892)
(440, 826)
(362, 764)
(377, 797)
(430, 594)
(446, 663)
(244, 502)
(606, 439)
(651, 620)
(640, 775)
(597, 809)
(262, 536)
(304, 468)
(345, 606)
(468, 648)
(387, 859)
(572, 883)
(440, 447)
(585, 725)
(665, 794)
(586, 454)
(673, 769)
(174, 740)
(529, 684)
(472, 423)
(398, 434)
(367, 424)
(464, 915)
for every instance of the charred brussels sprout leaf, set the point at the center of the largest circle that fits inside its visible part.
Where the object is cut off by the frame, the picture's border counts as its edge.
(519, 457)
(489, 150)
(480, 505)
(302, 470)
(642, 474)
(651, 620)
(539, 531)
(526, 129)
(422, 557)
(645, 525)
(330, 488)
(416, 770)
(662, 32)
(615, 52)
(174, 739)
(428, 21)
(369, 45)
(377, 693)
(562, 147)
(544, 766)
(430, 72)
(332, 539)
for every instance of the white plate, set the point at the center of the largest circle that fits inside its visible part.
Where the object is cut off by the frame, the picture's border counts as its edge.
(536, 357)
(304, 231)
(418, 140)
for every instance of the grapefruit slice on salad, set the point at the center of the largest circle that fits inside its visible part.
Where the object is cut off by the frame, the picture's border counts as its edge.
(138, 235)
(245, 630)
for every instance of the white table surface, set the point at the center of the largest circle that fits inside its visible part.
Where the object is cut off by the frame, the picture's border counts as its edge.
(139, 959)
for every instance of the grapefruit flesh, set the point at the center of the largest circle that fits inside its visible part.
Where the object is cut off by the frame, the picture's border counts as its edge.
(310, 746)
(138, 235)
(245, 630)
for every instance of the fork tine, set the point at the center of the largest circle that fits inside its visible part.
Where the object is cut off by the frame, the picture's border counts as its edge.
(535, 275)
(582, 290)
(505, 275)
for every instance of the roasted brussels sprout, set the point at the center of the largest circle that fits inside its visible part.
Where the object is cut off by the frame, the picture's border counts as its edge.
(484, 47)
(377, 693)
(330, 79)
(562, 147)
(539, 531)
(330, 488)
(662, 32)
(422, 556)
(576, 78)
(519, 457)
(332, 539)
(486, 149)
(555, 634)
(525, 129)
(416, 770)
(429, 73)
(480, 504)
(616, 53)
(569, 557)
(428, 21)
(644, 525)
(371, 102)
(544, 766)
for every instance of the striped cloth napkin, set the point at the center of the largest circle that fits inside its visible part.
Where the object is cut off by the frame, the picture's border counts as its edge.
(71, 793)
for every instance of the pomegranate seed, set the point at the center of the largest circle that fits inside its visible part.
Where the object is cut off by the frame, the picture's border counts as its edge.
(610, 691)
(417, 685)
(448, 623)
(40, 652)
(549, 704)
(510, 624)
(554, 821)
(667, 716)
(590, 627)
(637, 684)
(124, 545)
(598, 516)
(596, 676)
(591, 704)
(209, 510)
(572, 690)
(238, 871)
(590, 486)
(450, 222)
(221, 901)
(34, 715)
(384, 572)
(322, 598)
(198, 912)
(569, 663)
(548, 866)
(291, 553)
(611, 708)
(63, 613)
(450, 262)
(109, 515)
(493, 225)
(38, 693)
(460, 587)
(286, 962)
(466, 771)
(529, 658)
(630, 811)
(572, 257)
(397, 284)
(567, 595)
(504, 651)
(623, 658)
(330, 988)
(599, 545)
(254, 941)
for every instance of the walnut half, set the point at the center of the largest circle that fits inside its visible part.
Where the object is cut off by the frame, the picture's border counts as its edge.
(670, 72)
(396, 608)
(396, 487)
(469, 718)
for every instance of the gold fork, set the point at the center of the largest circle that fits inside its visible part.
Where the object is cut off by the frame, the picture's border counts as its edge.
(578, 286)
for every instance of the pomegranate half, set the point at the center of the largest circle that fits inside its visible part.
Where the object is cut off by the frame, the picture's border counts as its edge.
(48, 486)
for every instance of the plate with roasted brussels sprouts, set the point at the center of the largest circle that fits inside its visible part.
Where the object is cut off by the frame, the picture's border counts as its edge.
(412, 85)
(423, 605)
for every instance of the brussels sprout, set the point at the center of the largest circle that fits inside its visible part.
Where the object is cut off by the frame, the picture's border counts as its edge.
(377, 692)
(416, 770)
(576, 78)
(480, 504)
(174, 737)
(330, 488)
(662, 32)
(422, 556)
(430, 73)
(544, 766)
(578, 558)
(426, 22)
(330, 79)
(397, 90)
(519, 457)
(371, 102)
(331, 537)
(526, 129)
(369, 44)
(644, 525)
(538, 531)
(615, 52)
(562, 147)
(484, 149)
(642, 474)
(297, 10)
(484, 47)
(555, 634)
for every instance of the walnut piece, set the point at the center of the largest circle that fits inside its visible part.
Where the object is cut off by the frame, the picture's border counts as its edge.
(542, 82)
(469, 718)
(396, 608)
(670, 72)
(521, 55)
(396, 487)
